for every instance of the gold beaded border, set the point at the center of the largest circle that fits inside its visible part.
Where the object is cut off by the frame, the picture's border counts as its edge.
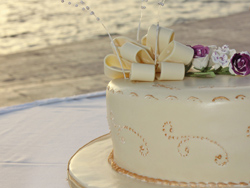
(192, 98)
(167, 182)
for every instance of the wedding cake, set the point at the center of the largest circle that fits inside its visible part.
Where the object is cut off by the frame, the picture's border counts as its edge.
(178, 115)
(175, 130)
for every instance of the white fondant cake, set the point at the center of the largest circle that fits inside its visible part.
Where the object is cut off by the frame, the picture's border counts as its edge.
(195, 131)
(172, 128)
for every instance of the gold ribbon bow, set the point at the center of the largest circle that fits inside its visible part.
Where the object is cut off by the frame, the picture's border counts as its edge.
(138, 60)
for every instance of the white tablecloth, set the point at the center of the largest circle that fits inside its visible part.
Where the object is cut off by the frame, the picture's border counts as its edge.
(38, 139)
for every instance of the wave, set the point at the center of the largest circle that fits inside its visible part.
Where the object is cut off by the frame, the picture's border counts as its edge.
(34, 24)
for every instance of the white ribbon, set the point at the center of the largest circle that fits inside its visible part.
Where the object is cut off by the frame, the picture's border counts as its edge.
(138, 59)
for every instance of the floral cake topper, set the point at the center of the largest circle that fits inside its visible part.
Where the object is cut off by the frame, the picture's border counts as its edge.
(212, 60)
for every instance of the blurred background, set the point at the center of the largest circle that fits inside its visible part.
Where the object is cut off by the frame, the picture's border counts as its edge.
(33, 24)
(51, 49)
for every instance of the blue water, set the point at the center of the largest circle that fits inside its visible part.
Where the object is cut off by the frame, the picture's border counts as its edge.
(34, 24)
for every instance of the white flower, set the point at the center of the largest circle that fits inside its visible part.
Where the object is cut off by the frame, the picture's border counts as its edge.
(231, 70)
(200, 62)
(211, 49)
(221, 57)
(203, 62)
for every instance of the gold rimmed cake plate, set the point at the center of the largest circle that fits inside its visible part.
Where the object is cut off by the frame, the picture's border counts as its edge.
(89, 168)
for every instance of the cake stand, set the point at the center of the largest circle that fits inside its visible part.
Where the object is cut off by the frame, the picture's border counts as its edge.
(89, 168)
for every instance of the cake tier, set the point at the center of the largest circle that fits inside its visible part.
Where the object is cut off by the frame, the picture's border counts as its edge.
(196, 130)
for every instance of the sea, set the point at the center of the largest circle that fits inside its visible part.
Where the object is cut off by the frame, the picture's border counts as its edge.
(34, 24)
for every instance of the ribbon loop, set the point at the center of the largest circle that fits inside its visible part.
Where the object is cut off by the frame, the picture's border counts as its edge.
(112, 67)
(177, 53)
(135, 54)
(142, 72)
(171, 71)
(120, 41)
(165, 37)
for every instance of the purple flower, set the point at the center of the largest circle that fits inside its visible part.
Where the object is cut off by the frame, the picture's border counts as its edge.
(240, 64)
(200, 51)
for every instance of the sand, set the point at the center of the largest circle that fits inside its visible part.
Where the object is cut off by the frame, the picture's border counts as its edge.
(77, 68)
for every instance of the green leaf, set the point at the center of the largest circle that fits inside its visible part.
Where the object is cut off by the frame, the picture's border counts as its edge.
(201, 74)
(188, 67)
(226, 69)
(218, 70)
(209, 68)
(204, 69)
(224, 73)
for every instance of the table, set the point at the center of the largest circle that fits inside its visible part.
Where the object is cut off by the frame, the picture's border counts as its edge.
(37, 139)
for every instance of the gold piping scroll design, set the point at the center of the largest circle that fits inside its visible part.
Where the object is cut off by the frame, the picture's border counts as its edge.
(133, 94)
(240, 97)
(220, 159)
(143, 148)
(194, 99)
(220, 98)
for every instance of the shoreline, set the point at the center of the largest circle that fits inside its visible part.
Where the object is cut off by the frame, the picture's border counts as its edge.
(77, 68)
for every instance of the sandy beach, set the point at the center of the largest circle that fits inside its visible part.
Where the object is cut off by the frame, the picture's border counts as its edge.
(77, 68)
